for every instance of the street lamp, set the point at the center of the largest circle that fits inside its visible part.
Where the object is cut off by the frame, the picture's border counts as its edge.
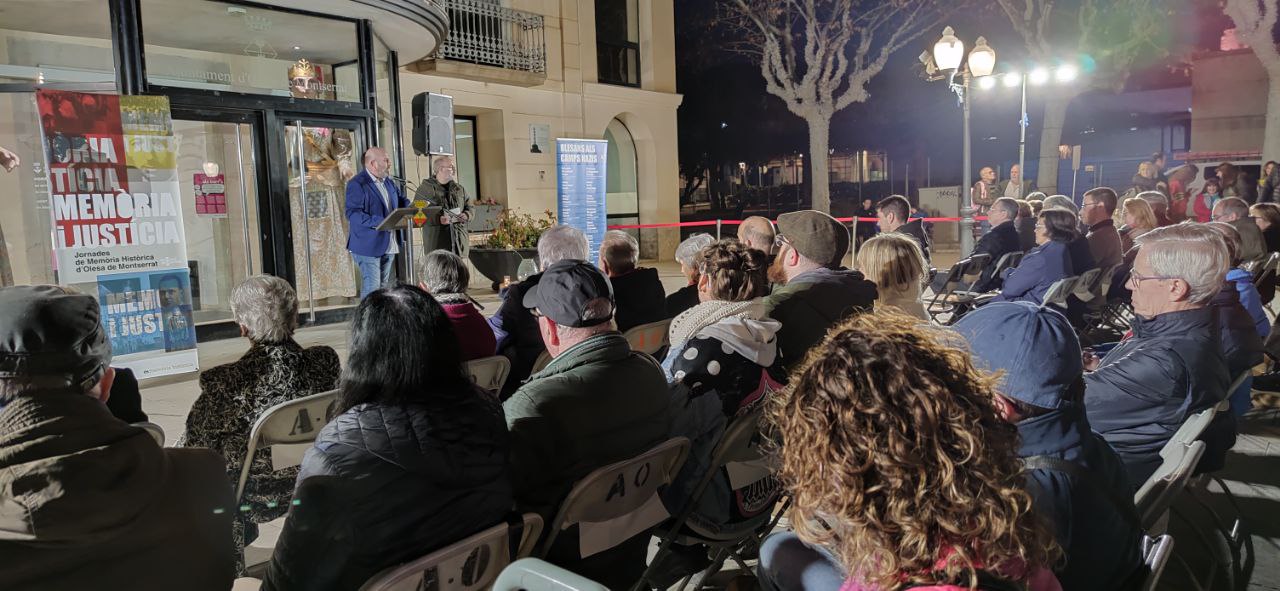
(948, 54)
(1038, 76)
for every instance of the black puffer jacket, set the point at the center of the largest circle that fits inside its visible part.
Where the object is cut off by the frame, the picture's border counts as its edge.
(1146, 387)
(386, 484)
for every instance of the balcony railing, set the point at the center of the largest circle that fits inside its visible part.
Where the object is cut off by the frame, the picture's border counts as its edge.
(483, 32)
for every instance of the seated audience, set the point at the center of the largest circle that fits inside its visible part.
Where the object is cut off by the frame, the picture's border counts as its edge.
(1037, 357)
(275, 369)
(1243, 326)
(515, 329)
(125, 402)
(687, 255)
(1045, 264)
(1081, 253)
(1138, 220)
(902, 470)
(758, 232)
(414, 460)
(1203, 203)
(598, 402)
(1096, 211)
(894, 263)
(1159, 206)
(445, 276)
(1026, 225)
(1234, 211)
(638, 291)
(90, 502)
(1172, 366)
(1267, 216)
(894, 215)
(813, 290)
(720, 352)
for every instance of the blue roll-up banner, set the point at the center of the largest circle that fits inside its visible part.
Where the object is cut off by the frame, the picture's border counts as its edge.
(580, 188)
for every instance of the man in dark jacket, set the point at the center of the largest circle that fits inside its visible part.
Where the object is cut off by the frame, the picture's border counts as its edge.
(1001, 240)
(596, 403)
(894, 214)
(638, 291)
(87, 501)
(515, 329)
(1077, 480)
(1096, 211)
(815, 292)
(1172, 367)
(1235, 211)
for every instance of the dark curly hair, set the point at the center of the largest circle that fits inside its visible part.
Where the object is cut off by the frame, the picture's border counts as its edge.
(900, 462)
(734, 272)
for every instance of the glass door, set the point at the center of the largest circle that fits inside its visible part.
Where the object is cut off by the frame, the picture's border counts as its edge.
(322, 157)
(217, 173)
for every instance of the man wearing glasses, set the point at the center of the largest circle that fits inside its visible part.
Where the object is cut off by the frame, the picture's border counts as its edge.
(1096, 211)
(1173, 366)
(449, 231)
(1234, 211)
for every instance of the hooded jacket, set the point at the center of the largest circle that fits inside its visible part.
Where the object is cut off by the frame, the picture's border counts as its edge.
(89, 502)
(810, 304)
(718, 368)
(1147, 386)
(1099, 541)
(384, 484)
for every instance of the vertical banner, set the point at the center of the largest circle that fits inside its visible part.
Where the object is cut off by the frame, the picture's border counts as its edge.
(580, 187)
(117, 222)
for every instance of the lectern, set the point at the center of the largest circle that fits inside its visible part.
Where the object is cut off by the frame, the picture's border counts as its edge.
(403, 219)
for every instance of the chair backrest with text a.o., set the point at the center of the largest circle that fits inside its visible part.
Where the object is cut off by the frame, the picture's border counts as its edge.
(473, 563)
(1086, 284)
(531, 574)
(153, 429)
(288, 429)
(649, 338)
(489, 372)
(1155, 555)
(1059, 291)
(621, 497)
(1008, 260)
(1158, 492)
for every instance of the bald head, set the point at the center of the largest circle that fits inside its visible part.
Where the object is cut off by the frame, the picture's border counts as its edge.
(377, 162)
(757, 232)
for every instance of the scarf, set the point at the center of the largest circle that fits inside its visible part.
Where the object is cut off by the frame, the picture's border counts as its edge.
(693, 320)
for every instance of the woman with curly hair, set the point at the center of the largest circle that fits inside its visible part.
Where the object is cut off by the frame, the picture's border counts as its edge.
(902, 469)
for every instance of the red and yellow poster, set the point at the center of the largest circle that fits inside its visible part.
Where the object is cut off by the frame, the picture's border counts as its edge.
(117, 219)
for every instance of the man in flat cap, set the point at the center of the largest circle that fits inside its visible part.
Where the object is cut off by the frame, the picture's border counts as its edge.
(815, 291)
(88, 501)
(596, 403)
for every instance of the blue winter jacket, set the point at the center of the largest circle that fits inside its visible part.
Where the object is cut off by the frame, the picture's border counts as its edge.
(1039, 269)
(1100, 543)
(1147, 386)
(1250, 299)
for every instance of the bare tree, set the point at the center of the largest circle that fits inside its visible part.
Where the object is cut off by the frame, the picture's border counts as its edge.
(818, 55)
(1255, 24)
(1115, 33)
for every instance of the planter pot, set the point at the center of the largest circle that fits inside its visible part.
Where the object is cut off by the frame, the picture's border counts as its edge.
(497, 263)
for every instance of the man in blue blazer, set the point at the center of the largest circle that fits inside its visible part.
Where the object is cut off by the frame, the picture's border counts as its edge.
(371, 197)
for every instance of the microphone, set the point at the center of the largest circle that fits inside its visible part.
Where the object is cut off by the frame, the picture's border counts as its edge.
(406, 183)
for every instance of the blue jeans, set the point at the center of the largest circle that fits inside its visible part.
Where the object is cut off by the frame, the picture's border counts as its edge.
(375, 272)
(787, 564)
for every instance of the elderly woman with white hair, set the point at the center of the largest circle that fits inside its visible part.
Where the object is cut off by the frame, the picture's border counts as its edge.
(445, 276)
(1172, 367)
(276, 369)
(687, 255)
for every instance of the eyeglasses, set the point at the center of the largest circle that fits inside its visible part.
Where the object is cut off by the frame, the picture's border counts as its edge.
(1136, 278)
(1090, 203)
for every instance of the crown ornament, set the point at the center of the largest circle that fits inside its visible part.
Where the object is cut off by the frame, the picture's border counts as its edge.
(302, 69)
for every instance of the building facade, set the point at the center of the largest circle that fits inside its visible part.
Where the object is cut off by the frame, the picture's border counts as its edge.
(524, 72)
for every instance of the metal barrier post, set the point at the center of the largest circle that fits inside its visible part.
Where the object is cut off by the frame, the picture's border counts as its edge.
(717, 228)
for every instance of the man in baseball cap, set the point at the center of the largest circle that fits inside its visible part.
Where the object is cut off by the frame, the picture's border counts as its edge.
(1078, 482)
(87, 501)
(814, 290)
(596, 403)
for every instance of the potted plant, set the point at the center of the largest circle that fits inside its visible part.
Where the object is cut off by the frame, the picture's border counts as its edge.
(514, 239)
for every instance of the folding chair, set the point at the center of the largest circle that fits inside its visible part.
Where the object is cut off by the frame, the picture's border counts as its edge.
(1156, 495)
(1009, 260)
(621, 494)
(531, 574)
(489, 372)
(952, 299)
(1265, 268)
(1059, 291)
(1200, 482)
(739, 444)
(473, 563)
(1155, 555)
(288, 429)
(649, 338)
(153, 429)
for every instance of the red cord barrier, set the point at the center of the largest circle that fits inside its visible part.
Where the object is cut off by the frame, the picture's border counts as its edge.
(736, 222)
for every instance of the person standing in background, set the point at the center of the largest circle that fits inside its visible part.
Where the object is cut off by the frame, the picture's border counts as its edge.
(371, 197)
(1015, 187)
(443, 190)
(981, 195)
